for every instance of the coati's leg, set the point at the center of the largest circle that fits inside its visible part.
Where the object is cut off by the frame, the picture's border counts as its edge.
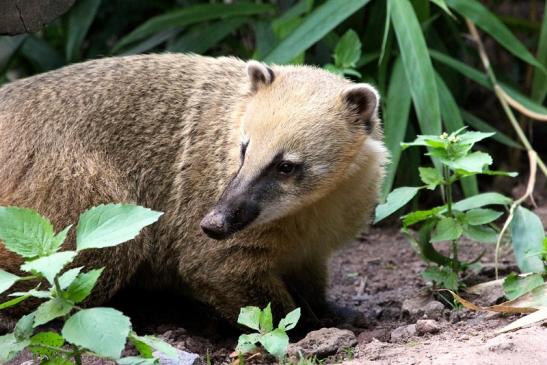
(60, 185)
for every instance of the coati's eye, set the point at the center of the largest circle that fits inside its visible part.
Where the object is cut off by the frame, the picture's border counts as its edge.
(286, 167)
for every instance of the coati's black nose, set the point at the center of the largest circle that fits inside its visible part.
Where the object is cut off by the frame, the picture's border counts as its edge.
(224, 221)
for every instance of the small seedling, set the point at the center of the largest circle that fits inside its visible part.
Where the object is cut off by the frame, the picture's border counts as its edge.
(452, 220)
(101, 332)
(274, 340)
(346, 54)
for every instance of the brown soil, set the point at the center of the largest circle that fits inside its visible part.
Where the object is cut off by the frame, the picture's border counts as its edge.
(374, 275)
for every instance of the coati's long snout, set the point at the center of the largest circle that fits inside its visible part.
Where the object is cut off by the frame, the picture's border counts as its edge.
(236, 209)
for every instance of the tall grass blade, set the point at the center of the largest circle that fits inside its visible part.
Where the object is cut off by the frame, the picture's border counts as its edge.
(79, 20)
(539, 82)
(314, 27)
(480, 125)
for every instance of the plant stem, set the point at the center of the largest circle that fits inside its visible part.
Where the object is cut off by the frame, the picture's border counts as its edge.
(501, 95)
(53, 348)
(449, 200)
(58, 288)
(30, 277)
(77, 355)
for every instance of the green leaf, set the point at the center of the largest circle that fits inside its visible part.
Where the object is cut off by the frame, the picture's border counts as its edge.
(314, 27)
(23, 328)
(481, 125)
(42, 294)
(250, 317)
(82, 286)
(206, 36)
(25, 232)
(9, 45)
(421, 215)
(417, 64)
(80, 17)
(431, 177)
(41, 54)
(514, 285)
(159, 345)
(539, 81)
(136, 360)
(48, 311)
(7, 280)
(447, 229)
(396, 116)
(60, 238)
(527, 234)
(68, 277)
(50, 339)
(442, 4)
(473, 162)
(348, 50)
(182, 17)
(10, 347)
(395, 200)
(49, 266)
(247, 343)
(275, 342)
(480, 216)
(472, 137)
(290, 320)
(443, 276)
(101, 330)
(145, 351)
(488, 22)
(112, 224)
(266, 320)
(14, 301)
(481, 234)
(481, 200)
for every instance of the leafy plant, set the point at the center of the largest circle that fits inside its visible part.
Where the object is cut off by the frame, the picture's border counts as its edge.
(346, 54)
(452, 220)
(273, 340)
(98, 331)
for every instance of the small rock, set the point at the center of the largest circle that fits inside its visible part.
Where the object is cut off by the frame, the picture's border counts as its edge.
(323, 342)
(422, 305)
(380, 334)
(403, 333)
(424, 326)
(434, 309)
(184, 358)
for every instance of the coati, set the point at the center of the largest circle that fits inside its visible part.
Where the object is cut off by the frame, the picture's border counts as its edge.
(261, 171)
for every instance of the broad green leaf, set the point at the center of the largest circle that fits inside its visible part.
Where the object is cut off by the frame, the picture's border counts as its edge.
(136, 360)
(481, 200)
(539, 81)
(473, 162)
(247, 342)
(49, 339)
(25, 232)
(395, 200)
(68, 277)
(396, 116)
(14, 301)
(314, 27)
(159, 345)
(488, 22)
(266, 320)
(112, 224)
(48, 311)
(82, 286)
(417, 64)
(151, 42)
(275, 342)
(49, 266)
(10, 347)
(250, 317)
(476, 217)
(482, 126)
(42, 294)
(80, 17)
(527, 235)
(7, 280)
(60, 238)
(348, 50)
(431, 177)
(23, 328)
(442, 4)
(184, 16)
(206, 36)
(447, 229)
(481, 234)
(290, 320)
(472, 137)
(41, 54)
(443, 276)
(514, 285)
(101, 330)
(298, 9)
(420, 215)
(145, 350)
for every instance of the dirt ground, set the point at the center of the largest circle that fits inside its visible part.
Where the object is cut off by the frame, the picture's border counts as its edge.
(378, 275)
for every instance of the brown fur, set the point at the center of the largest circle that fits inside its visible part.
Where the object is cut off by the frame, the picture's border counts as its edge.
(164, 131)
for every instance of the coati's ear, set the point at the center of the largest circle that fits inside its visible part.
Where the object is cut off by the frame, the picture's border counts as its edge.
(364, 100)
(259, 74)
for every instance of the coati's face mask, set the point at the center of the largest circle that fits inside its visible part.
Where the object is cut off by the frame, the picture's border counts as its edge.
(301, 134)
